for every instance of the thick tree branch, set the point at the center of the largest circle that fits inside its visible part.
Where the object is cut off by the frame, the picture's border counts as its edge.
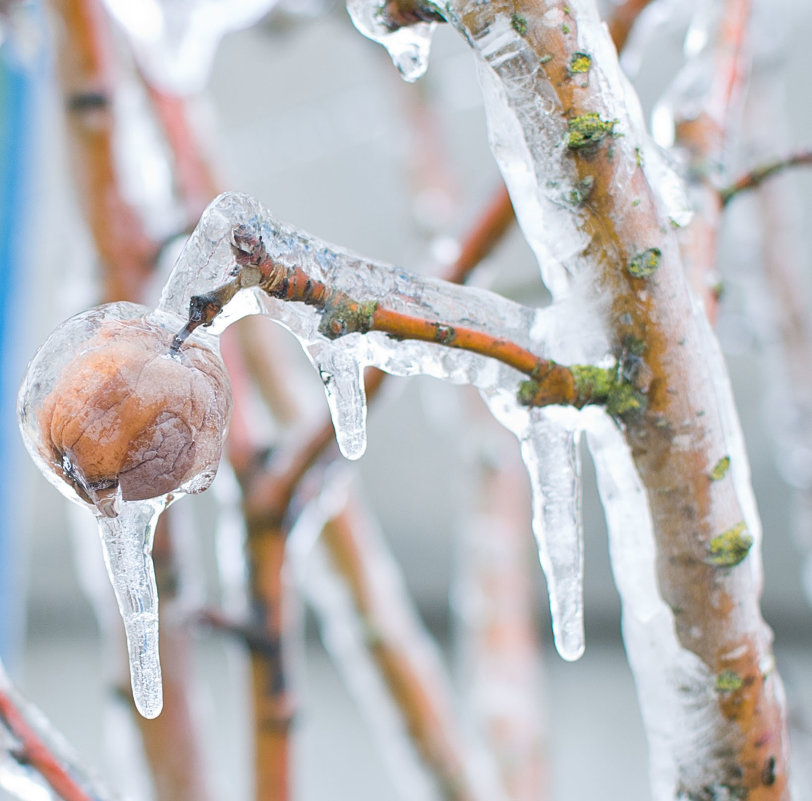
(679, 437)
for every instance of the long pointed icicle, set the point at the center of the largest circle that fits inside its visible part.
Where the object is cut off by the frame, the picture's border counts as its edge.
(550, 452)
(127, 546)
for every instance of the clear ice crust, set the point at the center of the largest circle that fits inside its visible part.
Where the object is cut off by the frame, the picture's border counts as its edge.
(126, 511)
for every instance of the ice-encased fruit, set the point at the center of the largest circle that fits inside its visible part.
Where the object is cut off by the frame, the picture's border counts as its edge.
(126, 415)
(119, 420)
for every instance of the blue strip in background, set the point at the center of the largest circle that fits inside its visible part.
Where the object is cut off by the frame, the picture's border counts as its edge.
(16, 147)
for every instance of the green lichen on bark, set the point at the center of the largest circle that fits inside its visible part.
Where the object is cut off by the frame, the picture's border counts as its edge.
(604, 386)
(728, 681)
(580, 62)
(592, 384)
(587, 131)
(731, 547)
(625, 402)
(519, 24)
(645, 264)
(720, 469)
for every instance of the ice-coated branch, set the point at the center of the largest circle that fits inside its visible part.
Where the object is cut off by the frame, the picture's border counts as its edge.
(394, 641)
(291, 460)
(39, 748)
(565, 126)
(622, 20)
(343, 312)
(498, 648)
(755, 177)
(702, 105)
(88, 77)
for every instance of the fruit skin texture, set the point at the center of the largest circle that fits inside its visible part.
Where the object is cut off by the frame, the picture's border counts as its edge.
(125, 413)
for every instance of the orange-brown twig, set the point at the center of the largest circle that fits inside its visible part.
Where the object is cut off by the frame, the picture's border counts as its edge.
(624, 15)
(194, 176)
(550, 383)
(392, 646)
(702, 135)
(34, 751)
(87, 73)
(757, 176)
(273, 704)
(265, 633)
(499, 648)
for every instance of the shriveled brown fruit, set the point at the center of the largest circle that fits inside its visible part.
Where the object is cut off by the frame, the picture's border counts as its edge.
(127, 413)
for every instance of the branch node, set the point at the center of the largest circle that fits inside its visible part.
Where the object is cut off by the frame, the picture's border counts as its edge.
(343, 316)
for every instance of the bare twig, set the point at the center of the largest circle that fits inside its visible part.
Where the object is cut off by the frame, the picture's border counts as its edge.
(495, 600)
(702, 135)
(35, 751)
(396, 651)
(624, 15)
(757, 176)
(194, 176)
(87, 73)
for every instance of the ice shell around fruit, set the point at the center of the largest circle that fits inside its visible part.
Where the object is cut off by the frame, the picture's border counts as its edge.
(110, 414)
(124, 426)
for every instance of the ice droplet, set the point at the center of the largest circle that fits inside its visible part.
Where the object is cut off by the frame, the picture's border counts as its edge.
(343, 378)
(127, 545)
(408, 47)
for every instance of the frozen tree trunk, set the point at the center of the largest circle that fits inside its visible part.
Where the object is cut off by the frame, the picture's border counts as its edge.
(581, 176)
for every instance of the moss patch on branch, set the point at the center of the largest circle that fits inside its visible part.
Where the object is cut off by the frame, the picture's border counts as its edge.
(720, 469)
(587, 131)
(519, 24)
(645, 264)
(728, 681)
(602, 386)
(580, 62)
(731, 547)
